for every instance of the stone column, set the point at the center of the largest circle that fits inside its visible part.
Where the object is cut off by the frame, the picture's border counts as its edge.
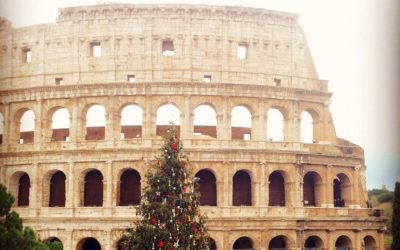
(262, 196)
(357, 240)
(329, 187)
(38, 138)
(227, 199)
(186, 120)
(356, 198)
(8, 122)
(108, 182)
(259, 127)
(76, 122)
(109, 130)
(70, 197)
(34, 195)
(68, 240)
(148, 122)
(224, 131)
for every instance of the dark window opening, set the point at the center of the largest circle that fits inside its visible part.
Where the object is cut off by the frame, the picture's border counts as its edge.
(131, 78)
(278, 242)
(309, 190)
(241, 189)
(93, 193)
(130, 188)
(207, 188)
(168, 48)
(24, 186)
(207, 78)
(57, 190)
(277, 82)
(27, 55)
(59, 81)
(338, 201)
(89, 244)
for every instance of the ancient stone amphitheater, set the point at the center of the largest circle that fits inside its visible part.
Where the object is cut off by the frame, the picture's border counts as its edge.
(84, 102)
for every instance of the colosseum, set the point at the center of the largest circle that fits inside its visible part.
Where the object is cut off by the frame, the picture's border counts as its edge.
(85, 101)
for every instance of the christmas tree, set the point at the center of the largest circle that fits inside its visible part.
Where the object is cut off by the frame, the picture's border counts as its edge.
(169, 206)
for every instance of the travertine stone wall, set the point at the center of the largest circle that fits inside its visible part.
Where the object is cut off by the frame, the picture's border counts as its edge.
(278, 72)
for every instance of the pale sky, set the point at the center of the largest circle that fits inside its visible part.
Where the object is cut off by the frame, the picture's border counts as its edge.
(356, 47)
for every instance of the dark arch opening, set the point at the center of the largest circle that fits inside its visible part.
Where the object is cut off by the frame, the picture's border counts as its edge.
(207, 188)
(276, 189)
(343, 243)
(312, 190)
(89, 244)
(211, 244)
(243, 243)
(278, 242)
(130, 188)
(341, 190)
(369, 243)
(24, 185)
(57, 190)
(313, 242)
(241, 189)
(93, 195)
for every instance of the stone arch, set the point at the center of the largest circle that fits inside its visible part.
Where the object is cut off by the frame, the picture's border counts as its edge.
(343, 243)
(207, 187)
(278, 242)
(95, 122)
(212, 245)
(313, 242)
(129, 188)
(369, 243)
(205, 121)
(166, 115)
(131, 121)
(341, 190)
(20, 188)
(306, 127)
(241, 189)
(93, 189)
(53, 240)
(277, 189)
(1, 127)
(312, 189)
(243, 243)
(275, 125)
(88, 243)
(60, 123)
(26, 126)
(241, 122)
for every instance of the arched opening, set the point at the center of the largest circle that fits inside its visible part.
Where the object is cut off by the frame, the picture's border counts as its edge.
(211, 244)
(88, 244)
(313, 243)
(241, 195)
(243, 243)
(341, 190)
(276, 189)
(278, 243)
(205, 121)
(207, 188)
(369, 243)
(27, 127)
(60, 125)
(131, 122)
(1, 127)
(130, 188)
(57, 190)
(95, 122)
(306, 127)
(275, 125)
(166, 115)
(93, 192)
(54, 243)
(343, 243)
(312, 189)
(24, 185)
(241, 123)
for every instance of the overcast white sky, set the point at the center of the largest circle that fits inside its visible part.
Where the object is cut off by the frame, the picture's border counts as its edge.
(356, 47)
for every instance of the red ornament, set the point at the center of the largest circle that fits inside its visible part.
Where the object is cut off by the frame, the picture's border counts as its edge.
(174, 146)
(154, 221)
(161, 243)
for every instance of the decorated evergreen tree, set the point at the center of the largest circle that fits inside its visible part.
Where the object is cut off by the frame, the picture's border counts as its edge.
(170, 205)
(396, 218)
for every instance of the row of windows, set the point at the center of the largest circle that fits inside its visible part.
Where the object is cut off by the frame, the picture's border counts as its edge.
(204, 122)
(129, 189)
(280, 242)
(167, 49)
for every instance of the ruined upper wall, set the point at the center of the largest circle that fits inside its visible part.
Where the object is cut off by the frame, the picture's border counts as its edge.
(205, 40)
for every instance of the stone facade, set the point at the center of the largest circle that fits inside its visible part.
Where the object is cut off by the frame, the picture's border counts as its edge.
(299, 195)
